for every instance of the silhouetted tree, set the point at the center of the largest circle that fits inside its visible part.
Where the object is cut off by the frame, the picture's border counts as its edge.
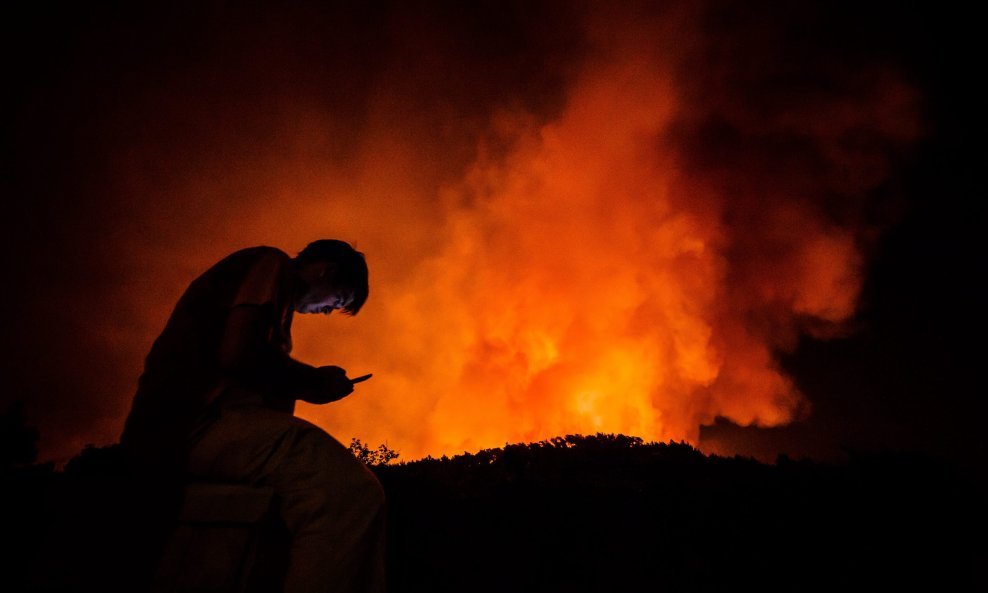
(18, 441)
(383, 455)
(98, 461)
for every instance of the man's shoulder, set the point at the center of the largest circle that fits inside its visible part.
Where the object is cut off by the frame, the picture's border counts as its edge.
(251, 257)
(261, 252)
(242, 264)
(263, 276)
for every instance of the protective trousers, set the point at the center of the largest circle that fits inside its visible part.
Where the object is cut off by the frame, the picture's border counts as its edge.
(331, 503)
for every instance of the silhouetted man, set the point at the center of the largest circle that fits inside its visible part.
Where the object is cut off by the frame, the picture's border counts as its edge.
(217, 397)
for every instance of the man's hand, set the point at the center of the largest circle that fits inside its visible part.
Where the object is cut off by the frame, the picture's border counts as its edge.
(332, 385)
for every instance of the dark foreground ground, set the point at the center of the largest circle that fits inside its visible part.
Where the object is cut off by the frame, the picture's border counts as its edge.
(610, 513)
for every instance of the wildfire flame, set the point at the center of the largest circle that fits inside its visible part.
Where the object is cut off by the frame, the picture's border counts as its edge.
(587, 280)
(630, 261)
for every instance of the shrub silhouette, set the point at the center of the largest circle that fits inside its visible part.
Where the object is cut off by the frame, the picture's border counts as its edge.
(373, 457)
(18, 441)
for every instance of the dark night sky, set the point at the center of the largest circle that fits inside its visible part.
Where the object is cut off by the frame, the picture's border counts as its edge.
(89, 88)
(909, 376)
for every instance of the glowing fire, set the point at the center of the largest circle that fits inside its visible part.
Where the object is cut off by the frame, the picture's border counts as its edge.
(586, 282)
(581, 274)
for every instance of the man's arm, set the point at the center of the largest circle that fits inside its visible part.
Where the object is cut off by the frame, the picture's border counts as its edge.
(250, 359)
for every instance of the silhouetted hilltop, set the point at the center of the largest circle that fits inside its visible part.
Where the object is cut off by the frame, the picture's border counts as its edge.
(614, 513)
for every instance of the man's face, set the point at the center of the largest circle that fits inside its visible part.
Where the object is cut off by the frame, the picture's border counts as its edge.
(324, 298)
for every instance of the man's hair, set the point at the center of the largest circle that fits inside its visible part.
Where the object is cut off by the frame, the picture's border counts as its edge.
(351, 268)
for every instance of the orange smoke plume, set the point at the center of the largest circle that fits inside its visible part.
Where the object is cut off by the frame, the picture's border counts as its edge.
(625, 250)
(588, 277)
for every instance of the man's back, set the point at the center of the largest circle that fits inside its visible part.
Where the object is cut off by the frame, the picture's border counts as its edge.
(182, 374)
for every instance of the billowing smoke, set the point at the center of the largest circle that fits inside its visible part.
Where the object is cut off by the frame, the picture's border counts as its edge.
(634, 263)
(612, 226)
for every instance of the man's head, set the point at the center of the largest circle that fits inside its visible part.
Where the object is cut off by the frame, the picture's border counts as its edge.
(332, 275)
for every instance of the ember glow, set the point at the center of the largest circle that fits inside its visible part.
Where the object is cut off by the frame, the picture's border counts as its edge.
(630, 258)
(586, 280)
